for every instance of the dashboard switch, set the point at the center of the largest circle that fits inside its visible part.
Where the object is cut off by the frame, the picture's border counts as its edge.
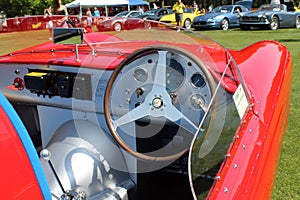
(57, 83)
(37, 82)
(18, 83)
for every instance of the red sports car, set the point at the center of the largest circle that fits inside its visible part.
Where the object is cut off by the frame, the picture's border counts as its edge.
(142, 114)
(125, 20)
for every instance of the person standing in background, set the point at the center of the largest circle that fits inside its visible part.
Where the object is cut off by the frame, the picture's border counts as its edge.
(178, 8)
(195, 5)
(96, 12)
(96, 15)
(49, 22)
(290, 6)
(139, 8)
(60, 9)
(89, 17)
(210, 7)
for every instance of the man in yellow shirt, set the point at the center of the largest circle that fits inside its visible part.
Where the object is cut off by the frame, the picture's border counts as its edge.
(178, 9)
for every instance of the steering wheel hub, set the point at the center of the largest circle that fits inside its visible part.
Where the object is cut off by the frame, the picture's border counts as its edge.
(157, 103)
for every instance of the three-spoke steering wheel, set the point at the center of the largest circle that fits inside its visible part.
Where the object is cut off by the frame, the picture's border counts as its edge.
(158, 103)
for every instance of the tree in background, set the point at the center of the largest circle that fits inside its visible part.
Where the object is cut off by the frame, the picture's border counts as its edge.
(204, 3)
(14, 8)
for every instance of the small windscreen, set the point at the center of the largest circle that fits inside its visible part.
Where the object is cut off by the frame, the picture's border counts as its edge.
(68, 35)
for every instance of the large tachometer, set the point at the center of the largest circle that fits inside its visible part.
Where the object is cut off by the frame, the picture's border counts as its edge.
(174, 75)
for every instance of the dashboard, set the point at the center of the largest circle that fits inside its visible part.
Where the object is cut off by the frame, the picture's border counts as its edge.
(58, 86)
(52, 85)
(162, 87)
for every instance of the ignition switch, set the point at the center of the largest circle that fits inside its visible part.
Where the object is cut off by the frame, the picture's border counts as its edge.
(174, 98)
(139, 92)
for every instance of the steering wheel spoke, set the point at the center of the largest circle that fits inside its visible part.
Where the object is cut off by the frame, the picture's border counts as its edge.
(161, 70)
(173, 114)
(133, 115)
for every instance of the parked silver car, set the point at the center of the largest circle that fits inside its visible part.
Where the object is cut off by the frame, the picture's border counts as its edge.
(272, 16)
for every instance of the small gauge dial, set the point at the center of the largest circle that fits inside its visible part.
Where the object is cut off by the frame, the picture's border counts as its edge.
(198, 102)
(198, 80)
(140, 75)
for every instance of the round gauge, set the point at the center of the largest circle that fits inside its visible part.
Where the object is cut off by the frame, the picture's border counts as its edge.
(174, 75)
(198, 80)
(140, 75)
(198, 102)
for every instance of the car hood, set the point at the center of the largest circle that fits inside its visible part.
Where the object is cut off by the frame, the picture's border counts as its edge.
(108, 51)
(106, 54)
(109, 20)
(167, 17)
(257, 13)
(208, 16)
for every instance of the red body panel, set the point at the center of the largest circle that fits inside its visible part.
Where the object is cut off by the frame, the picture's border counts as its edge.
(49, 53)
(18, 180)
(106, 57)
(250, 166)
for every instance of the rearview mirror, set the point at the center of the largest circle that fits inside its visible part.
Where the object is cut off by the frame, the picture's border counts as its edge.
(68, 35)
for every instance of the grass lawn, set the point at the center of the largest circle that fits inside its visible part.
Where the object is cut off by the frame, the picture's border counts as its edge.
(287, 184)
